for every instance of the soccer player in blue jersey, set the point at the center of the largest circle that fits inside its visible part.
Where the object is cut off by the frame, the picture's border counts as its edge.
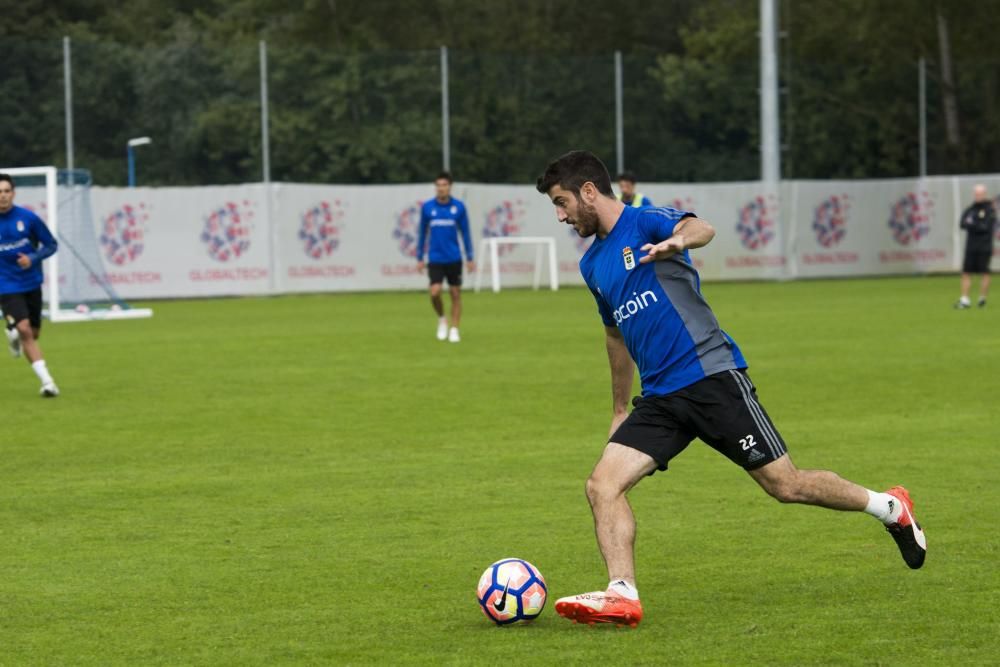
(694, 381)
(443, 218)
(24, 242)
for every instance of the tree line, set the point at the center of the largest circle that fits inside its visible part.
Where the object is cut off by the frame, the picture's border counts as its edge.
(355, 95)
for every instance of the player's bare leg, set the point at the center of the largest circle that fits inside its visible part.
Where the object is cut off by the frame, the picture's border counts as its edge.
(787, 484)
(29, 341)
(966, 286)
(984, 288)
(456, 304)
(456, 312)
(619, 469)
(438, 303)
(436, 300)
(33, 353)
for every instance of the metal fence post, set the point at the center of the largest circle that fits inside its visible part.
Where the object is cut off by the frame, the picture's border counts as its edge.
(445, 112)
(68, 102)
(265, 140)
(922, 106)
(619, 121)
(770, 156)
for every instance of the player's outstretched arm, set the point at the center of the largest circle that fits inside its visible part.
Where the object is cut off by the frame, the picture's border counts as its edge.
(622, 372)
(46, 243)
(688, 233)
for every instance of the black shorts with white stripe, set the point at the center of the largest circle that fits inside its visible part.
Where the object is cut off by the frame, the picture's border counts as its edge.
(721, 409)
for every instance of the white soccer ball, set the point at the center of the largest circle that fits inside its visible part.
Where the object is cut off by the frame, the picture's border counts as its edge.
(511, 590)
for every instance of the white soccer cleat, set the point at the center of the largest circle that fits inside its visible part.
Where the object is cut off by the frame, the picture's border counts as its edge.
(442, 329)
(14, 343)
(49, 390)
(453, 336)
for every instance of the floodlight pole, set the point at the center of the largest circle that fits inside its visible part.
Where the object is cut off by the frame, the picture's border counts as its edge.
(130, 149)
(922, 105)
(265, 140)
(619, 120)
(445, 112)
(68, 101)
(770, 156)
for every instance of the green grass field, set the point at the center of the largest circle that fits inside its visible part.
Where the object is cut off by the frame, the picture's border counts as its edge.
(318, 480)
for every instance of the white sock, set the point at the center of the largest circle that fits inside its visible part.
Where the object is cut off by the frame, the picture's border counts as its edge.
(443, 320)
(625, 589)
(42, 371)
(964, 300)
(883, 507)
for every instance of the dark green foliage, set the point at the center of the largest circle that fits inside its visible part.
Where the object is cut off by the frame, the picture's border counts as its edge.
(355, 87)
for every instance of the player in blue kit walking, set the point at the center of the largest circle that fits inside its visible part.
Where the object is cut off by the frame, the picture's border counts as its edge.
(443, 218)
(24, 242)
(694, 381)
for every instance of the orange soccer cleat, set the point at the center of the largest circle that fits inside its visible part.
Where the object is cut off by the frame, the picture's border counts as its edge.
(600, 607)
(906, 531)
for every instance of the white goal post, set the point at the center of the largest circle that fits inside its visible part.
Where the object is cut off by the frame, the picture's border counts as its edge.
(67, 230)
(490, 248)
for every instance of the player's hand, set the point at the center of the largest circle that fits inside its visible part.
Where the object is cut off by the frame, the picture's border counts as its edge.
(420, 266)
(23, 261)
(617, 421)
(662, 250)
(470, 266)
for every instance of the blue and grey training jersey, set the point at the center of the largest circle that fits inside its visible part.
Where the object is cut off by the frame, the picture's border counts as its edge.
(23, 232)
(668, 327)
(443, 222)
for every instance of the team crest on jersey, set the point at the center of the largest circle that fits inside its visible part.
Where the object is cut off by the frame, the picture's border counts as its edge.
(454, 210)
(629, 258)
(20, 225)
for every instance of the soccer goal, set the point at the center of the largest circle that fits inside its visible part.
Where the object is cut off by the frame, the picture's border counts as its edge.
(76, 285)
(490, 248)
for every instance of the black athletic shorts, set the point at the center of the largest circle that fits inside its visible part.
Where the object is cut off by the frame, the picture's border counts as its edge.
(977, 261)
(452, 271)
(22, 306)
(721, 409)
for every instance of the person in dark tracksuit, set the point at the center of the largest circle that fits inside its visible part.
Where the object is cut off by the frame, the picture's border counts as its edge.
(979, 220)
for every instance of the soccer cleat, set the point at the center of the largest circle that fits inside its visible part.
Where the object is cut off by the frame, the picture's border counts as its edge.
(453, 336)
(962, 305)
(442, 329)
(49, 390)
(982, 302)
(906, 531)
(14, 343)
(600, 607)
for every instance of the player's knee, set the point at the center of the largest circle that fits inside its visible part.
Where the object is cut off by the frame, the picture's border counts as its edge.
(787, 489)
(435, 291)
(593, 488)
(24, 330)
(600, 488)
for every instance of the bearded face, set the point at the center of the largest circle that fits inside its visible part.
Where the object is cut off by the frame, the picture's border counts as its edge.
(585, 221)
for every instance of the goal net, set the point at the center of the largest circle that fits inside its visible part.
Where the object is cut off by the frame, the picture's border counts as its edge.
(76, 286)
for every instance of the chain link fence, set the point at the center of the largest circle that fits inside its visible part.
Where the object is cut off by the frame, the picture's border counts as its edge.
(376, 117)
